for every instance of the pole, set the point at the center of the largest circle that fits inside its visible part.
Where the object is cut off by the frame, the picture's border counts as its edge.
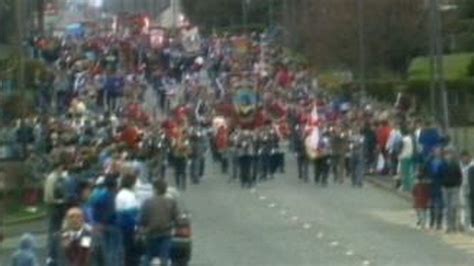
(244, 15)
(175, 15)
(19, 9)
(440, 64)
(40, 10)
(362, 56)
(433, 67)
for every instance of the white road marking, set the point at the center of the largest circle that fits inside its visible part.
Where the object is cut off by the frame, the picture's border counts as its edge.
(334, 244)
(294, 218)
(306, 226)
(262, 198)
(271, 205)
(320, 235)
(366, 262)
(349, 253)
(283, 212)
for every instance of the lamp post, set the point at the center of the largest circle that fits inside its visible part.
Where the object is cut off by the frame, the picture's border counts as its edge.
(438, 62)
(362, 48)
(245, 4)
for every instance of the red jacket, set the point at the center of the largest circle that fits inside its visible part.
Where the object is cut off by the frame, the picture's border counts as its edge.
(131, 136)
(222, 139)
(383, 133)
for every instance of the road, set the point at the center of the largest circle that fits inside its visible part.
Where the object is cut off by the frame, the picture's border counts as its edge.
(285, 222)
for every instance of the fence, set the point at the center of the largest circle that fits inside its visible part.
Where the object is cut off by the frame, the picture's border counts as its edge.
(463, 138)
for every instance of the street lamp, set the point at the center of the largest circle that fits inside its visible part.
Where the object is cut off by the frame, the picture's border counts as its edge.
(362, 44)
(245, 4)
(437, 63)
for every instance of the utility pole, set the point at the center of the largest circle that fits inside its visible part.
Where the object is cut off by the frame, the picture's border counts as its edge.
(175, 15)
(244, 14)
(40, 14)
(270, 12)
(433, 68)
(439, 62)
(362, 48)
(19, 21)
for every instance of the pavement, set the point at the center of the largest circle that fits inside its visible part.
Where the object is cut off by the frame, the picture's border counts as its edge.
(288, 222)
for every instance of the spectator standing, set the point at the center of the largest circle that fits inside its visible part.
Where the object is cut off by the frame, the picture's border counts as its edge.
(421, 199)
(25, 255)
(76, 244)
(466, 200)
(437, 171)
(158, 217)
(406, 161)
(127, 208)
(452, 181)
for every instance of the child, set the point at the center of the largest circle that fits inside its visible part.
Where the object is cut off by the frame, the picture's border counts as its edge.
(421, 199)
(25, 255)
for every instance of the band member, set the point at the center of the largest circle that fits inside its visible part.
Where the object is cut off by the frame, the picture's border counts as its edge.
(268, 144)
(321, 162)
(160, 148)
(235, 137)
(301, 155)
(245, 151)
(276, 155)
(340, 147)
(198, 143)
(181, 152)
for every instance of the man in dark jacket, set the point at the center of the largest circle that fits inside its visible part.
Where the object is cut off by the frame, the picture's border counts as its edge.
(452, 181)
(437, 170)
(159, 215)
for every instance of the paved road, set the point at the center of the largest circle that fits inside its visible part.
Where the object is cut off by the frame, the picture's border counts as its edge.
(285, 222)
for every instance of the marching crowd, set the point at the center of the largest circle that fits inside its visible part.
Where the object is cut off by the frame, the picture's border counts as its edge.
(104, 147)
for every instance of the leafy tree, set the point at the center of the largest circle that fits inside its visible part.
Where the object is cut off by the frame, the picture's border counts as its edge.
(225, 13)
(327, 31)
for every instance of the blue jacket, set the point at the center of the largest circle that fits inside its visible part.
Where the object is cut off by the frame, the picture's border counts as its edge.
(430, 138)
(25, 255)
(437, 170)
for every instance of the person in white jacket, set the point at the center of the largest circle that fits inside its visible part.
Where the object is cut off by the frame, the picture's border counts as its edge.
(406, 167)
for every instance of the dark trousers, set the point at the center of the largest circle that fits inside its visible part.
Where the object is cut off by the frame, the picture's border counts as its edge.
(302, 164)
(235, 165)
(321, 169)
(224, 162)
(277, 163)
(245, 163)
(180, 172)
(158, 247)
(254, 165)
(56, 215)
(471, 208)
(265, 166)
(436, 211)
(132, 253)
(197, 168)
(338, 166)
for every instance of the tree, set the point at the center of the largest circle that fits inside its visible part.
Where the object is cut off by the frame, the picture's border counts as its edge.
(225, 13)
(327, 32)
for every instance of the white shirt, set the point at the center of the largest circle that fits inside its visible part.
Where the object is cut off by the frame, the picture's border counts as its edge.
(126, 200)
(407, 149)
